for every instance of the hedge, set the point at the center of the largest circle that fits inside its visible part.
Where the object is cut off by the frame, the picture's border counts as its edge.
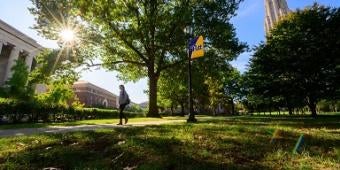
(22, 111)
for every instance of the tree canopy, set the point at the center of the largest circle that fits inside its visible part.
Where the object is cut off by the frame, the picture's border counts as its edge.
(300, 59)
(16, 86)
(145, 37)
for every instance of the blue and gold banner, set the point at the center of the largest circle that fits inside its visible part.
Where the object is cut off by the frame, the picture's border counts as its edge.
(196, 47)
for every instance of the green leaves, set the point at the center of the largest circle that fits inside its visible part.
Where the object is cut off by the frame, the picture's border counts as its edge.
(144, 37)
(16, 86)
(298, 61)
(54, 66)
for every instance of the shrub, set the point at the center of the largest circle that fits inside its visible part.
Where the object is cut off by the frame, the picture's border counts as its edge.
(15, 110)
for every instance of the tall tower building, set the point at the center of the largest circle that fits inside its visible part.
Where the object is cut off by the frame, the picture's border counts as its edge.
(274, 10)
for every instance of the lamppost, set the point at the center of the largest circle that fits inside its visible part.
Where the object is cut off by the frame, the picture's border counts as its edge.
(189, 30)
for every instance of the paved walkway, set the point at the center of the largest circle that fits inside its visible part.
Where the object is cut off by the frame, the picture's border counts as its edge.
(64, 129)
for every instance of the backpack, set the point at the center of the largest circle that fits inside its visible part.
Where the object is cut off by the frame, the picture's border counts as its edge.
(128, 98)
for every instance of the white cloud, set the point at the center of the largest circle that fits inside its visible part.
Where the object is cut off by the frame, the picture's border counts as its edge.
(249, 7)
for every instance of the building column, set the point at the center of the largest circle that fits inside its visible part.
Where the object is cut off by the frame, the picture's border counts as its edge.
(11, 62)
(29, 61)
(1, 44)
(2, 70)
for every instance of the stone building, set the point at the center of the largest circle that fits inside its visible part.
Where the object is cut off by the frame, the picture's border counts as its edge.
(94, 96)
(14, 45)
(274, 10)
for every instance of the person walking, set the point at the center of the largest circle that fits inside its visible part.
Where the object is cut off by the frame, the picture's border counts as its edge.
(123, 102)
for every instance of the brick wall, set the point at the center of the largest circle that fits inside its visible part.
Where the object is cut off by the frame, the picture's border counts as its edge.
(94, 96)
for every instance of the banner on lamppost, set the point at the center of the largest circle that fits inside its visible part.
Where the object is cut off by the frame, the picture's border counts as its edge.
(197, 47)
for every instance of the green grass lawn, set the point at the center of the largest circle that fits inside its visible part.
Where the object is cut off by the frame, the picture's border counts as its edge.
(282, 113)
(243, 142)
(87, 122)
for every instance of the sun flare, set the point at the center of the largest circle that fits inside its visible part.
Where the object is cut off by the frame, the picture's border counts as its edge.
(67, 35)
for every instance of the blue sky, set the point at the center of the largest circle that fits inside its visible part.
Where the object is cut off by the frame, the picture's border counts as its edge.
(249, 23)
(249, 26)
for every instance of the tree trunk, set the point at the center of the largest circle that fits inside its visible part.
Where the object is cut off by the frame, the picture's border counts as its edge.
(290, 107)
(153, 109)
(311, 102)
(182, 109)
(172, 110)
(232, 106)
(290, 110)
(333, 106)
(312, 107)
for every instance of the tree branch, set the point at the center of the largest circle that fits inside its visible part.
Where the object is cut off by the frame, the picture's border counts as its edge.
(129, 44)
(171, 65)
(147, 49)
(118, 62)
(171, 32)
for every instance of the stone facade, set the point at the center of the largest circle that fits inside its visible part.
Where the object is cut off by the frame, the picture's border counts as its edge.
(14, 45)
(274, 10)
(94, 96)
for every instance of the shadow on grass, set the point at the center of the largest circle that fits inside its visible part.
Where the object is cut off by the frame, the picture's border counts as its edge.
(124, 147)
(322, 121)
(23, 125)
(210, 144)
(39, 125)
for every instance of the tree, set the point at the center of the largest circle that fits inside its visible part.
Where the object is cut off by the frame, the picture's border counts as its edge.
(57, 72)
(268, 80)
(16, 86)
(173, 88)
(208, 75)
(232, 87)
(59, 94)
(216, 96)
(143, 38)
(53, 65)
(300, 60)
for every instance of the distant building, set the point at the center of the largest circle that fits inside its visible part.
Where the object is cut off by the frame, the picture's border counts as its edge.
(14, 45)
(274, 11)
(94, 96)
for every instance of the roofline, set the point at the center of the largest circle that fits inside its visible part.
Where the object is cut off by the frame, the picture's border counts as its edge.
(18, 34)
(90, 84)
